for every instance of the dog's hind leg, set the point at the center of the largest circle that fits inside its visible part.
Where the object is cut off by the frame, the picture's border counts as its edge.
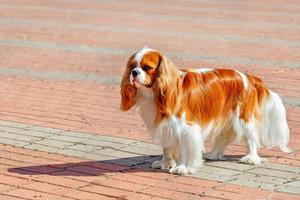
(220, 144)
(250, 131)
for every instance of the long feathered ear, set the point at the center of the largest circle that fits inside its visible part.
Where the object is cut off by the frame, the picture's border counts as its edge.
(166, 89)
(128, 91)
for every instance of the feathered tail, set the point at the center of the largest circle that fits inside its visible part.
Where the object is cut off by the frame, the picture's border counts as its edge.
(275, 127)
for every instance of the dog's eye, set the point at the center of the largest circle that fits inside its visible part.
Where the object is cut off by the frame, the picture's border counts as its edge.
(147, 68)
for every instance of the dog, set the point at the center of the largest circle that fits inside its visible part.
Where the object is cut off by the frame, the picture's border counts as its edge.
(183, 107)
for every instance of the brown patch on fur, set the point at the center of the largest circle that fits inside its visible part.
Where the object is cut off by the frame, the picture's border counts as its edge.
(261, 88)
(167, 89)
(214, 95)
(210, 95)
(152, 60)
(128, 91)
(255, 96)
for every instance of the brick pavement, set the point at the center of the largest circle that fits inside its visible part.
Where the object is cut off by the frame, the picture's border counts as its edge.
(61, 133)
(109, 167)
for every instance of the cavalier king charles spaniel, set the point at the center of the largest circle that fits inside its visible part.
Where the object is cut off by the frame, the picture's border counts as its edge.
(183, 107)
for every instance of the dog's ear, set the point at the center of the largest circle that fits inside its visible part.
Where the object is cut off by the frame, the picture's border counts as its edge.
(166, 89)
(128, 91)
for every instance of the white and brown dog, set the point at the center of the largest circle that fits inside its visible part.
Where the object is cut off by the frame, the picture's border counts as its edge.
(181, 108)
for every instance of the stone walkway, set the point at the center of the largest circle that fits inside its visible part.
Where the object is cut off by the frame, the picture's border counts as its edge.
(62, 135)
(137, 155)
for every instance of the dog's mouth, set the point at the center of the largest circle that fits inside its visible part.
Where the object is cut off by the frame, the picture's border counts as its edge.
(139, 85)
(136, 84)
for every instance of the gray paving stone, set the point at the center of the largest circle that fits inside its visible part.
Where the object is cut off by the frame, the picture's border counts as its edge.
(44, 148)
(149, 146)
(112, 139)
(27, 138)
(103, 144)
(98, 157)
(96, 137)
(30, 132)
(219, 171)
(274, 173)
(13, 142)
(76, 134)
(211, 176)
(229, 165)
(261, 178)
(54, 143)
(276, 166)
(116, 158)
(8, 135)
(118, 154)
(7, 141)
(45, 129)
(19, 137)
(65, 138)
(289, 189)
(143, 151)
(13, 124)
(9, 129)
(20, 143)
(253, 184)
(73, 153)
(295, 183)
(85, 148)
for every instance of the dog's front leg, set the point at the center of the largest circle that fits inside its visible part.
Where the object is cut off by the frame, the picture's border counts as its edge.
(190, 151)
(168, 160)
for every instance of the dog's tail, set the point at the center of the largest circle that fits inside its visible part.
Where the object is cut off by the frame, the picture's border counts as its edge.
(275, 130)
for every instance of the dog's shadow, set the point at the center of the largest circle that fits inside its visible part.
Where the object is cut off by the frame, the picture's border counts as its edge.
(98, 168)
(91, 168)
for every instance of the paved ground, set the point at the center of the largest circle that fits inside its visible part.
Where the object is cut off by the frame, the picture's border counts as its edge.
(61, 133)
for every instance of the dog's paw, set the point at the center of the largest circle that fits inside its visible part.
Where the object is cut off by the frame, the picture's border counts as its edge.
(180, 170)
(161, 164)
(285, 149)
(183, 170)
(253, 160)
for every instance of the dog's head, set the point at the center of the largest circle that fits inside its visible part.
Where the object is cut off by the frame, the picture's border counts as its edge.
(144, 65)
(149, 69)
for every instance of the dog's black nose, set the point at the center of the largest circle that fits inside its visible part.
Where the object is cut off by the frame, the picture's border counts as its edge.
(135, 73)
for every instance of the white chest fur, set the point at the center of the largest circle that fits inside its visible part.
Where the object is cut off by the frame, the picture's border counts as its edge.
(168, 131)
(147, 107)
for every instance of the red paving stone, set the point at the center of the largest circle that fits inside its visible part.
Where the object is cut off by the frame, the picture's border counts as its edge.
(92, 38)
(259, 37)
